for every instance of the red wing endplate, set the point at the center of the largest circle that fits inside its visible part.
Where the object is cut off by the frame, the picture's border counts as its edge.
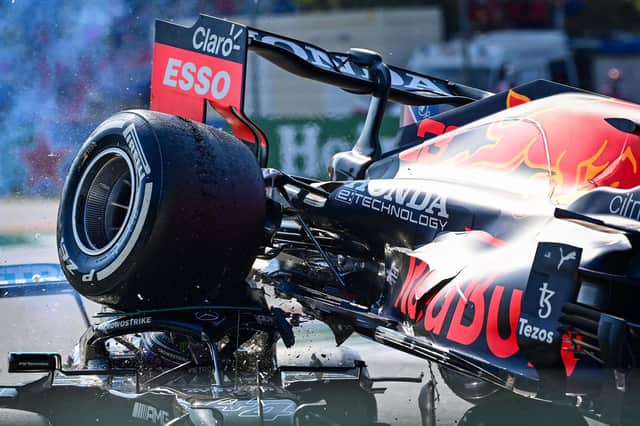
(200, 64)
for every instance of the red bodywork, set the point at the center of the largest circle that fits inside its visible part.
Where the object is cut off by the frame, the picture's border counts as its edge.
(562, 138)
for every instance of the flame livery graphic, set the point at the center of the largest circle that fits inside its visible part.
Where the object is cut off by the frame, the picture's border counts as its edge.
(563, 138)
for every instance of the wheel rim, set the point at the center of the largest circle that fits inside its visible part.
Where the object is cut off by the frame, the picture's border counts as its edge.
(103, 202)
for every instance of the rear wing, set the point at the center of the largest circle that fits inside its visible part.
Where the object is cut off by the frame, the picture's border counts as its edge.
(206, 63)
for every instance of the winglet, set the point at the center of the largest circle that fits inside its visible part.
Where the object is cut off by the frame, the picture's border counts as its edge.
(625, 125)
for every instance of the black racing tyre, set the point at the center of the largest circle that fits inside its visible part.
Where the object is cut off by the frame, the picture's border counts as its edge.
(471, 389)
(158, 211)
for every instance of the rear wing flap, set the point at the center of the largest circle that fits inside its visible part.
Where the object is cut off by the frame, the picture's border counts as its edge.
(309, 61)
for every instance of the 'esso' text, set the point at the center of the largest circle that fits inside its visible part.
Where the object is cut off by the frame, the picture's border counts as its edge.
(204, 81)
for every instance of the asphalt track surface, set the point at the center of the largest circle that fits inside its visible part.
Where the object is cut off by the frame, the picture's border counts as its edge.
(54, 323)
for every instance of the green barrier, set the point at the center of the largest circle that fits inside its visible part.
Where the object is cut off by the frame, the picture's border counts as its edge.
(304, 147)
